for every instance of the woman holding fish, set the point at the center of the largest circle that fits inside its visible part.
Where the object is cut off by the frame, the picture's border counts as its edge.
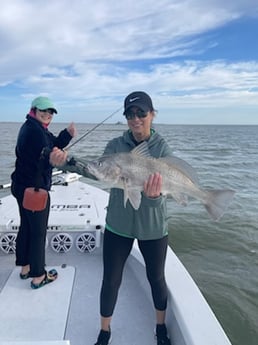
(133, 215)
(147, 224)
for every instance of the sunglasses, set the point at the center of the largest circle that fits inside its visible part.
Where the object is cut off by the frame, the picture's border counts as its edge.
(132, 114)
(49, 111)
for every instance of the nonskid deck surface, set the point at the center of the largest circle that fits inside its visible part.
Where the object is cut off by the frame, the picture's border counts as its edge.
(73, 301)
(36, 309)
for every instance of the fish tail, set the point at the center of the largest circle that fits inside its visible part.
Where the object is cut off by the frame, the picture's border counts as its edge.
(218, 201)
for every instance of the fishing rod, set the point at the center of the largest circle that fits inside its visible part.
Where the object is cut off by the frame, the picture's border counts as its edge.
(8, 185)
(4, 186)
(93, 129)
(35, 199)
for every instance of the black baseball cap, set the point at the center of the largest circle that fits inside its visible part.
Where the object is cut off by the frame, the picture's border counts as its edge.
(138, 99)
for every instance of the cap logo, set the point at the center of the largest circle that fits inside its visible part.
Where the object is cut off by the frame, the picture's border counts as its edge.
(133, 99)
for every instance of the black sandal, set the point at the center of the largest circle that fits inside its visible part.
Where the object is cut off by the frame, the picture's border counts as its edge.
(25, 276)
(50, 276)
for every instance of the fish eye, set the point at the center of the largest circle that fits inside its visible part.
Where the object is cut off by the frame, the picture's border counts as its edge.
(100, 164)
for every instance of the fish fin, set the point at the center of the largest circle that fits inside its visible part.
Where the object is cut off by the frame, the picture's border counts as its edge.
(182, 166)
(180, 198)
(142, 150)
(125, 191)
(218, 201)
(133, 195)
(135, 198)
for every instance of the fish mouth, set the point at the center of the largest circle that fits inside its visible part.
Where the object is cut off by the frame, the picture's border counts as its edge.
(88, 169)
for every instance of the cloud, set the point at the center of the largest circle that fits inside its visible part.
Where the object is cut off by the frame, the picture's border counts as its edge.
(64, 33)
(82, 51)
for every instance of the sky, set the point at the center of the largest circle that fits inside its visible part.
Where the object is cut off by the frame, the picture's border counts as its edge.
(197, 59)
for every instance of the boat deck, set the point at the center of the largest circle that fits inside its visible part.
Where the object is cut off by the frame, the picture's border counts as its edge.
(73, 300)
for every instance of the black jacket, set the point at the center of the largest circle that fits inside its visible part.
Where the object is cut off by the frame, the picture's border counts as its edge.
(34, 144)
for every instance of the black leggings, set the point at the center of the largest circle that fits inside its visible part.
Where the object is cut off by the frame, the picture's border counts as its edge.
(116, 250)
(31, 239)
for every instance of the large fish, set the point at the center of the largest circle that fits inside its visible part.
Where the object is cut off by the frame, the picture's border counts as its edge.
(128, 171)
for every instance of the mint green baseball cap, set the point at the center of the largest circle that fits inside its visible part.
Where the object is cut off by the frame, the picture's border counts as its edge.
(43, 103)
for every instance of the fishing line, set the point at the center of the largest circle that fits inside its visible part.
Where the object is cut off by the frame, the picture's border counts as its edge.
(93, 129)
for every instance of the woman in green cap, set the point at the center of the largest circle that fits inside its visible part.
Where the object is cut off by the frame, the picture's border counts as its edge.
(34, 147)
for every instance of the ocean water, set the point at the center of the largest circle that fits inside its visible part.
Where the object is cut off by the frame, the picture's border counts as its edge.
(222, 257)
